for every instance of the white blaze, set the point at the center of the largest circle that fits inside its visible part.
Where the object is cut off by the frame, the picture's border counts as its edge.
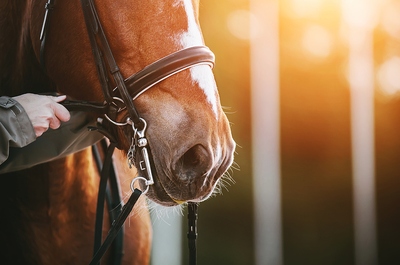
(202, 74)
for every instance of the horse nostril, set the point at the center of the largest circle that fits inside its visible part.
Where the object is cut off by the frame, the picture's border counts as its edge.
(194, 162)
(192, 157)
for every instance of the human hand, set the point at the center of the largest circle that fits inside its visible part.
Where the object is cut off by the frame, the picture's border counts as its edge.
(44, 111)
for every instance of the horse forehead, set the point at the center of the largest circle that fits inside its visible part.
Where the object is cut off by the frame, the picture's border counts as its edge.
(202, 75)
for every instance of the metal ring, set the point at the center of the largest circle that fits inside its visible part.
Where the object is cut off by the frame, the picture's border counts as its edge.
(145, 182)
(141, 133)
(116, 123)
(121, 101)
(119, 110)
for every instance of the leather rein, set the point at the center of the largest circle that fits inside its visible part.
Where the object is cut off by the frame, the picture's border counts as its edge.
(118, 99)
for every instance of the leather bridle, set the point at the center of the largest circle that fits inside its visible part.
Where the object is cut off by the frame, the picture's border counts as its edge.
(118, 98)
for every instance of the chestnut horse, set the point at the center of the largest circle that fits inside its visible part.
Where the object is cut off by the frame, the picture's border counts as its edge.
(48, 211)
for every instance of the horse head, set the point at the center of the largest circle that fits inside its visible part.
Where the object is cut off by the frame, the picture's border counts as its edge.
(188, 133)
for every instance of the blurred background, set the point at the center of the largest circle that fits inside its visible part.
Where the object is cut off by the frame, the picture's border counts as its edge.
(312, 91)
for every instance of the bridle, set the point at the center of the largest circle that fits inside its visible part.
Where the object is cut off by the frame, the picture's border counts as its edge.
(120, 98)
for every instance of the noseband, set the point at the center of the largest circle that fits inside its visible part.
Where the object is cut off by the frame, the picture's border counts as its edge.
(120, 97)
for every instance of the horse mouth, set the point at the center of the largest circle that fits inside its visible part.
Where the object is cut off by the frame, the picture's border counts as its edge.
(170, 189)
(168, 194)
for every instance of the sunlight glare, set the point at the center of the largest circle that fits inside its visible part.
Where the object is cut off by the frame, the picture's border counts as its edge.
(390, 19)
(239, 22)
(361, 13)
(317, 41)
(306, 8)
(388, 76)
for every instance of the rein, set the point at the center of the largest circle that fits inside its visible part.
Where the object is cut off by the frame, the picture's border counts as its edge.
(118, 99)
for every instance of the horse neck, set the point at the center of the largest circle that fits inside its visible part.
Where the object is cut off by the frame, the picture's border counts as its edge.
(19, 67)
(72, 180)
(52, 190)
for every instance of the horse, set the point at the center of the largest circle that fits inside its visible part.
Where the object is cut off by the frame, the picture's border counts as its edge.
(48, 211)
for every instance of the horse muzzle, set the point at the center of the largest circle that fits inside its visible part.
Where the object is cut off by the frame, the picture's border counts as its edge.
(193, 176)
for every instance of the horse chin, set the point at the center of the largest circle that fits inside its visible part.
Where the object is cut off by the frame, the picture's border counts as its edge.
(170, 191)
(166, 197)
(161, 197)
(158, 194)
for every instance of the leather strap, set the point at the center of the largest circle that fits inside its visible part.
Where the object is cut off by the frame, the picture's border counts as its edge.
(167, 66)
(87, 106)
(116, 226)
(192, 232)
(108, 191)
(43, 33)
(92, 29)
(96, 31)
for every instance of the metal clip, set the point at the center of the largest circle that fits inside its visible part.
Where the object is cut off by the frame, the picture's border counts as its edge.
(131, 154)
(141, 142)
(145, 154)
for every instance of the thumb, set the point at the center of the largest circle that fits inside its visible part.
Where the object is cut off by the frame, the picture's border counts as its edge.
(59, 98)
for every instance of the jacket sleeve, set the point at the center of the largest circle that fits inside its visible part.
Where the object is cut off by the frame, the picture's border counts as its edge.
(16, 129)
(71, 137)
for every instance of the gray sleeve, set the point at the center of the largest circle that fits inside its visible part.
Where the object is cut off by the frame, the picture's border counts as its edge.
(72, 136)
(16, 129)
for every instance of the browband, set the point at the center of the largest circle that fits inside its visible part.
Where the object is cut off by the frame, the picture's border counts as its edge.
(166, 67)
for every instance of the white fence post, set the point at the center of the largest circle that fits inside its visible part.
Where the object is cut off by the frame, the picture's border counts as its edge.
(266, 131)
(359, 17)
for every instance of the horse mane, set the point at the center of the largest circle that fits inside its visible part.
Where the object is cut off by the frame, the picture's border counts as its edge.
(20, 71)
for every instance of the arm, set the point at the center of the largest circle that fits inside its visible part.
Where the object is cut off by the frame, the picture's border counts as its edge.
(72, 136)
(16, 129)
(26, 117)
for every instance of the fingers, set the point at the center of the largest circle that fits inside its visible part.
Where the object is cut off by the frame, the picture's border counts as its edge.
(40, 130)
(45, 121)
(59, 110)
(54, 122)
(44, 111)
